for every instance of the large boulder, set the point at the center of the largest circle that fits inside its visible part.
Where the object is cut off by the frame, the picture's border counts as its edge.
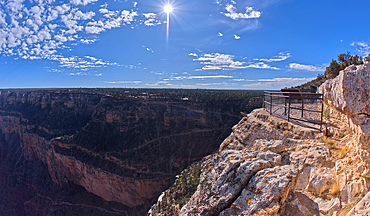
(349, 93)
(243, 181)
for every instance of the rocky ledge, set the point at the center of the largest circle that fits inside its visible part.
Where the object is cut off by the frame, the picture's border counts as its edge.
(268, 166)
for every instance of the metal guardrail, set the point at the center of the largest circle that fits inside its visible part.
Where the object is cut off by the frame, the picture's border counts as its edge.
(289, 99)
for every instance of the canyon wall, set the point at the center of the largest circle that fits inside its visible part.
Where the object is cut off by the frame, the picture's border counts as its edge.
(80, 153)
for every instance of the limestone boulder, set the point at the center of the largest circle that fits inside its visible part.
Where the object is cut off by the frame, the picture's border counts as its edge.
(272, 145)
(327, 205)
(265, 193)
(362, 207)
(225, 176)
(299, 204)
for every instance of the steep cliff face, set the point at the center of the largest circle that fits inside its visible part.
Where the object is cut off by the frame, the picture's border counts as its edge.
(77, 153)
(268, 166)
(349, 94)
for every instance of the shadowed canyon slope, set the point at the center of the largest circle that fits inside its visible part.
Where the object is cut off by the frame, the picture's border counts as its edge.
(86, 152)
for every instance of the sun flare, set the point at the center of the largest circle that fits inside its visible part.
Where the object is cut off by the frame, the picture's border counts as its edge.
(168, 8)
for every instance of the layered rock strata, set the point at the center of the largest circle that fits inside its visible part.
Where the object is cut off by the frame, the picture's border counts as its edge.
(80, 153)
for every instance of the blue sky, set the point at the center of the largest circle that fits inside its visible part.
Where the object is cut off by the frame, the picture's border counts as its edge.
(213, 44)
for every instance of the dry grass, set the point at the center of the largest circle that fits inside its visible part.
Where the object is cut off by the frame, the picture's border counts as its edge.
(330, 143)
(286, 132)
(344, 211)
(343, 152)
(334, 189)
(322, 190)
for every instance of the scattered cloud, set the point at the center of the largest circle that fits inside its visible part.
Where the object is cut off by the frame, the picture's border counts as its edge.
(199, 77)
(303, 67)
(209, 84)
(280, 57)
(124, 82)
(218, 61)
(82, 2)
(277, 83)
(151, 19)
(261, 65)
(193, 54)
(249, 13)
(42, 29)
(236, 37)
(220, 34)
(82, 63)
(362, 48)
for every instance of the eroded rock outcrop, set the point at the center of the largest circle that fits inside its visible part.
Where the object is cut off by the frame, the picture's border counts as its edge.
(349, 93)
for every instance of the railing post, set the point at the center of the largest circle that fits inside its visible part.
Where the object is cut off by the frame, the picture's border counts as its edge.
(322, 109)
(270, 103)
(289, 107)
(302, 107)
(284, 105)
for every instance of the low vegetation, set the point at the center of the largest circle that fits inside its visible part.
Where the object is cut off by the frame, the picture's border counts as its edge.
(180, 192)
(344, 60)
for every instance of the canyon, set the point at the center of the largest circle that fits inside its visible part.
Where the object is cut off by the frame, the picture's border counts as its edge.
(91, 152)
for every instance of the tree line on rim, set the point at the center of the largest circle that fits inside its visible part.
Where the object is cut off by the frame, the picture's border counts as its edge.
(344, 60)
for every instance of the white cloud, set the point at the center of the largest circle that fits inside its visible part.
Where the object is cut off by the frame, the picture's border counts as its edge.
(218, 61)
(280, 57)
(94, 29)
(236, 37)
(87, 41)
(40, 29)
(209, 84)
(60, 38)
(83, 63)
(199, 77)
(193, 54)
(149, 15)
(261, 65)
(220, 34)
(103, 10)
(125, 82)
(82, 2)
(249, 13)
(151, 19)
(277, 83)
(15, 5)
(362, 48)
(303, 67)
(63, 8)
(79, 15)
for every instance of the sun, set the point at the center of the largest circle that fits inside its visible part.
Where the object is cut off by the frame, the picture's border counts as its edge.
(168, 8)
